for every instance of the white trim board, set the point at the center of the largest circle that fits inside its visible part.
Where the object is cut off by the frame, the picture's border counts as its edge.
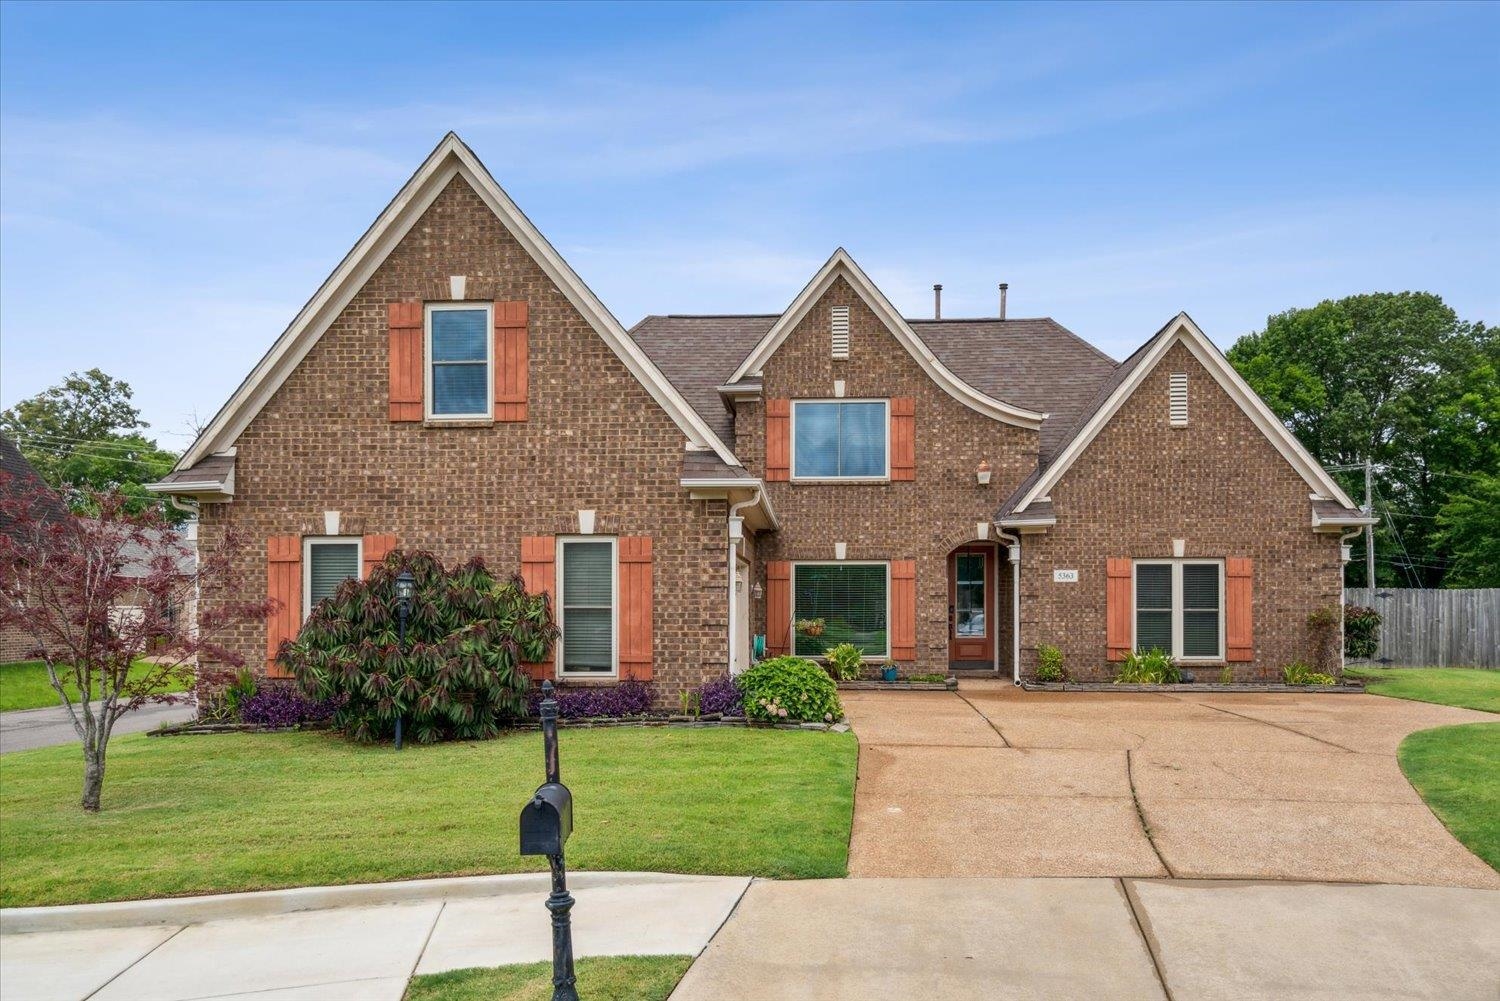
(1182, 328)
(842, 265)
(451, 158)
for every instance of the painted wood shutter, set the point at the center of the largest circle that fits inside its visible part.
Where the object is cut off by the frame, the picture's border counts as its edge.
(903, 610)
(635, 607)
(511, 360)
(405, 320)
(376, 548)
(778, 608)
(778, 440)
(539, 574)
(903, 438)
(284, 586)
(1238, 635)
(1117, 605)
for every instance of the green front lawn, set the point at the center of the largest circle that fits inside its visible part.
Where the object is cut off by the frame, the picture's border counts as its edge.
(202, 814)
(24, 685)
(618, 978)
(1457, 771)
(1470, 688)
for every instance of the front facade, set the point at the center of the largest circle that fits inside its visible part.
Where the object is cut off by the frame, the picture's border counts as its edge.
(945, 495)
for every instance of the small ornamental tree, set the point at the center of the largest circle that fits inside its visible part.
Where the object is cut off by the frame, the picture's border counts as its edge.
(98, 595)
(467, 637)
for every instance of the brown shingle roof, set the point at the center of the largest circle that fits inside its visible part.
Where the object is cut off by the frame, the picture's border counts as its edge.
(19, 480)
(698, 353)
(212, 469)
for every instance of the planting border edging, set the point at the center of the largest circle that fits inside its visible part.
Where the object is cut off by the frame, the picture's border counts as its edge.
(1210, 687)
(585, 722)
(947, 685)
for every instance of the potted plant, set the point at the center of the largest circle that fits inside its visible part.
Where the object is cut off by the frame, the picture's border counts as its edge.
(889, 672)
(811, 627)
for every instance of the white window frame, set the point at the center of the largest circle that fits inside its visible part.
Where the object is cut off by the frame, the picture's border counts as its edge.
(889, 626)
(310, 541)
(614, 605)
(488, 308)
(1177, 609)
(884, 476)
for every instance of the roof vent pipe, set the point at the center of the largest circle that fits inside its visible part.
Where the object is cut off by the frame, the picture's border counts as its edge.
(1003, 287)
(937, 302)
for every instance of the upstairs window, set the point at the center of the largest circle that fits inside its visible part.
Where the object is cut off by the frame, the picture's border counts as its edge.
(1179, 608)
(458, 368)
(840, 439)
(326, 563)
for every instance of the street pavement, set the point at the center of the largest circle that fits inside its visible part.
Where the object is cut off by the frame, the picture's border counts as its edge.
(26, 729)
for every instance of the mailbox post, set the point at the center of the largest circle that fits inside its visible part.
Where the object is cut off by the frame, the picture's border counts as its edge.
(546, 822)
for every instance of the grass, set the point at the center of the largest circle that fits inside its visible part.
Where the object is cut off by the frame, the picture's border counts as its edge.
(1457, 771)
(619, 978)
(24, 685)
(1466, 687)
(201, 814)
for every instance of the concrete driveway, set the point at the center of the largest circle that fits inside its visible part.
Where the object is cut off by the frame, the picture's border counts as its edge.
(995, 781)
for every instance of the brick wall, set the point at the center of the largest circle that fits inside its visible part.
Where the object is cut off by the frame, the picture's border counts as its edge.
(595, 440)
(1217, 483)
(922, 519)
(14, 643)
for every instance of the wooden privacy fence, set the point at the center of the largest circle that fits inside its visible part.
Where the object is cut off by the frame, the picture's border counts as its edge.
(1434, 628)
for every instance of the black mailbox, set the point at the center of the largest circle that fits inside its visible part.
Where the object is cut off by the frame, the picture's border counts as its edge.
(547, 820)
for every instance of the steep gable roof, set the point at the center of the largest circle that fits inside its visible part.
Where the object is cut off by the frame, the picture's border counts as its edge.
(699, 353)
(19, 481)
(451, 158)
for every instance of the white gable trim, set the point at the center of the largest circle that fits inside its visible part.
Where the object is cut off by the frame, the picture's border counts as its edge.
(451, 158)
(841, 264)
(1183, 329)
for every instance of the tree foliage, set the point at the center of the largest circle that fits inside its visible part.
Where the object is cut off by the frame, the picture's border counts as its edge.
(1400, 379)
(467, 638)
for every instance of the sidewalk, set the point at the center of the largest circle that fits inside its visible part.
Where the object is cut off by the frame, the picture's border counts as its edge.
(26, 729)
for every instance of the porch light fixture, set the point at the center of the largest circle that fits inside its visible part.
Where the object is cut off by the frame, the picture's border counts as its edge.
(982, 474)
(757, 591)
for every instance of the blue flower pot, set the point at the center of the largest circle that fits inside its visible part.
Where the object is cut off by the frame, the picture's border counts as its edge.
(889, 674)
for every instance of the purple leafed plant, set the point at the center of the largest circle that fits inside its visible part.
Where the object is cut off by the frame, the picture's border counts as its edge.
(282, 705)
(721, 695)
(629, 698)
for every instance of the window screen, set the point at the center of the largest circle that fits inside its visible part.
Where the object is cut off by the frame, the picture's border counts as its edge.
(460, 363)
(588, 607)
(1153, 606)
(840, 603)
(1179, 608)
(1200, 609)
(835, 439)
(329, 565)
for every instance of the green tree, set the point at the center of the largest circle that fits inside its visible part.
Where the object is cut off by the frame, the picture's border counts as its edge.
(1397, 378)
(1469, 528)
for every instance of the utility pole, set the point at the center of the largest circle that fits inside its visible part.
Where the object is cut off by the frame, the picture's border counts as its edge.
(1369, 529)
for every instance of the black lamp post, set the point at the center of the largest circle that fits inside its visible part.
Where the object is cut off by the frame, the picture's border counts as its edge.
(406, 587)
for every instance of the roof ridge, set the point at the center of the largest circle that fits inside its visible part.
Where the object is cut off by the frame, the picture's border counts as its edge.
(712, 316)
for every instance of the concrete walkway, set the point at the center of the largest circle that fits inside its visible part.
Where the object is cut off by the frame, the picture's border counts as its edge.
(364, 952)
(996, 781)
(26, 729)
(1045, 939)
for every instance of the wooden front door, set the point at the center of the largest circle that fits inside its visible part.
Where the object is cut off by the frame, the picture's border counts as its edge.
(971, 607)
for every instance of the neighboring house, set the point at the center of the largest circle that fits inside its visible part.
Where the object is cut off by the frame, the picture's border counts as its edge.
(942, 493)
(19, 480)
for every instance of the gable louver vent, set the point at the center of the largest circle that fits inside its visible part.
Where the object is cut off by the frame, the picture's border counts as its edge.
(1178, 406)
(840, 328)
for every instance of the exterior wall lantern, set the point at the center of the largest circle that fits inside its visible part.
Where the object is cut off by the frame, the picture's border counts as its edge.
(757, 591)
(982, 474)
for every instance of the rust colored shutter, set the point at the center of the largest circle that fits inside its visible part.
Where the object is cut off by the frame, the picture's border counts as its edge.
(511, 361)
(903, 438)
(406, 361)
(284, 586)
(375, 549)
(903, 610)
(1238, 637)
(1117, 605)
(778, 608)
(778, 439)
(539, 573)
(635, 607)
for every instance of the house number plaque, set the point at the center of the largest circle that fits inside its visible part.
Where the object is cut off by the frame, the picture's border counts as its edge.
(1065, 576)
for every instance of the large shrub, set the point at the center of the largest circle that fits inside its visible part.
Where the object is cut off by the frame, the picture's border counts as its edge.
(790, 689)
(466, 639)
(1361, 631)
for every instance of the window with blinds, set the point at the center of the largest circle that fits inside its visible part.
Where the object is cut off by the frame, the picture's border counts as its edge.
(458, 352)
(1179, 608)
(328, 563)
(835, 603)
(839, 439)
(587, 601)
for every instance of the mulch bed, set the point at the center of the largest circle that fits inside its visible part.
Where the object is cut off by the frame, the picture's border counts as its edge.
(947, 685)
(692, 722)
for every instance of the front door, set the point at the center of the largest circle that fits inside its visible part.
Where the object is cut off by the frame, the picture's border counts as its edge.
(971, 607)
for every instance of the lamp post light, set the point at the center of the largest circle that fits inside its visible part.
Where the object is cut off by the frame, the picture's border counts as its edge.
(406, 587)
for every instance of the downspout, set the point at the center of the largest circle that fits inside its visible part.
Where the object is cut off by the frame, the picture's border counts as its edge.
(1344, 557)
(1014, 552)
(736, 526)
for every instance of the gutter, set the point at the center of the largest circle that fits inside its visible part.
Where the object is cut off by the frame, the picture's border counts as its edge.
(736, 533)
(1014, 552)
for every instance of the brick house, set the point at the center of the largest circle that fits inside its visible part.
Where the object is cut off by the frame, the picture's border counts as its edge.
(945, 494)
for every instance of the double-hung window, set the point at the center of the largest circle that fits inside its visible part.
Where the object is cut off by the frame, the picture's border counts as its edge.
(1179, 608)
(840, 439)
(835, 603)
(459, 345)
(587, 600)
(326, 563)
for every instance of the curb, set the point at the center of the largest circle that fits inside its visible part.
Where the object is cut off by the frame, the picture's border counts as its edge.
(262, 903)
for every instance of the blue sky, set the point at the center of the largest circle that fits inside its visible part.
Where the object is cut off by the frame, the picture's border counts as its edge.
(176, 180)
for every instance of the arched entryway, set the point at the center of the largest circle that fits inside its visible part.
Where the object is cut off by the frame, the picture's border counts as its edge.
(976, 628)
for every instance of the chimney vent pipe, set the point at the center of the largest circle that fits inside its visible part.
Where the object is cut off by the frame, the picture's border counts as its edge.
(937, 302)
(1003, 287)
